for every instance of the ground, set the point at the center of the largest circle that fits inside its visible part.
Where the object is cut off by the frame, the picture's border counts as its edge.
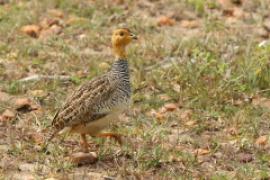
(200, 78)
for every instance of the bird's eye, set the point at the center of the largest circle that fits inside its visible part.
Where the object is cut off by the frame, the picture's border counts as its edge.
(121, 34)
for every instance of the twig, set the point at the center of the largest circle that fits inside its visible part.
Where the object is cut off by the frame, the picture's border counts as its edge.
(261, 91)
(37, 77)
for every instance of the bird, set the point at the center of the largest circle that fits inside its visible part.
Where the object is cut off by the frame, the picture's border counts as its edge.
(97, 103)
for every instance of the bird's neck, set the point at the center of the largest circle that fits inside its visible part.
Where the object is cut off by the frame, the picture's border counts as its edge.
(119, 52)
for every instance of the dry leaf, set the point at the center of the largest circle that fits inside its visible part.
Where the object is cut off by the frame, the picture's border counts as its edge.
(31, 30)
(8, 114)
(81, 158)
(261, 141)
(237, 2)
(190, 123)
(189, 24)
(166, 21)
(23, 104)
(170, 106)
(227, 12)
(226, 3)
(202, 152)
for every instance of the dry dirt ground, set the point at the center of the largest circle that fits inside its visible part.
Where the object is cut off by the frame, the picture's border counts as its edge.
(200, 77)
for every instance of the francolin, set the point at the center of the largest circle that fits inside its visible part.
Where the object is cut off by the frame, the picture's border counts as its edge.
(98, 102)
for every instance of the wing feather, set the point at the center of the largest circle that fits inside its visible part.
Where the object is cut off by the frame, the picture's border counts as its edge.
(81, 106)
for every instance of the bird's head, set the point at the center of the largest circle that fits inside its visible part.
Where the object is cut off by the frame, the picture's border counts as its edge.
(120, 39)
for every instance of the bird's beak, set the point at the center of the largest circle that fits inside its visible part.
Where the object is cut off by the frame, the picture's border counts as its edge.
(133, 36)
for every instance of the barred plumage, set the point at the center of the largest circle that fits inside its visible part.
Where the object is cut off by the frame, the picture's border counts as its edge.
(98, 102)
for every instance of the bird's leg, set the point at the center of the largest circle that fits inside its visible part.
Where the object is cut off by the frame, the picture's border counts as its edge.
(84, 143)
(116, 137)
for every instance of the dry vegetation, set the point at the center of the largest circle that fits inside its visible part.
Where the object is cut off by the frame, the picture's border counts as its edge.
(200, 76)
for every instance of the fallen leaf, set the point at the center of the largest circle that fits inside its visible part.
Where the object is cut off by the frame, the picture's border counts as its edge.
(245, 157)
(8, 115)
(81, 158)
(23, 104)
(261, 141)
(190, 123)
(226, 3)
(31, 30)
(165, 21)
(202, 152)
(227, 12)
(237, 2)
(189, 24)
(170, 106)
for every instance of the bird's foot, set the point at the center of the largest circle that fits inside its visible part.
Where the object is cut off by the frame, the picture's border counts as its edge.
(116, 137)
(84, 144)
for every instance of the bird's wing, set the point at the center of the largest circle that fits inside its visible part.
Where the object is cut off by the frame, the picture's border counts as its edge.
(80, 107)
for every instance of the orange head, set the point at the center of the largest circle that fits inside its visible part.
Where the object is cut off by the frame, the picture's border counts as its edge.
(120, 39)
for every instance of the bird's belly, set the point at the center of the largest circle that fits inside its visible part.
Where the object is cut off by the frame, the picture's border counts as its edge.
(94, 127)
